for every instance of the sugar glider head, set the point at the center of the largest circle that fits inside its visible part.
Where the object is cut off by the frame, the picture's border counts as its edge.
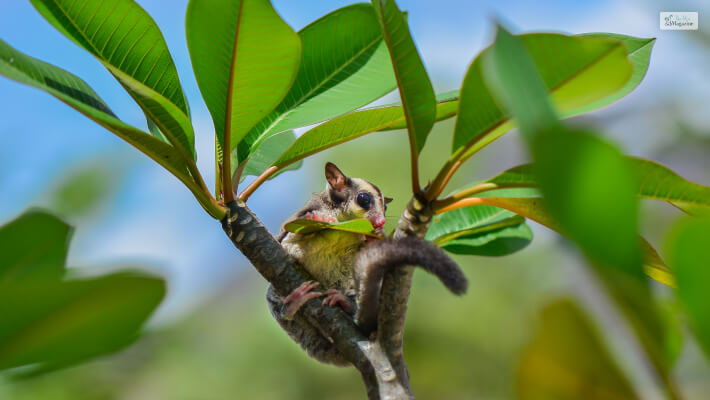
(355, 198)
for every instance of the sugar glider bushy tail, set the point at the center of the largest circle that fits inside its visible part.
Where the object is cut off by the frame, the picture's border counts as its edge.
(380, 255)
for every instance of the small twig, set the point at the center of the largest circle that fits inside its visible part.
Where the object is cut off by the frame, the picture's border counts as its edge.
(227, 189)
(414, 157)
(467, 202)
(476, 189)
(238, 173)
(442, 179)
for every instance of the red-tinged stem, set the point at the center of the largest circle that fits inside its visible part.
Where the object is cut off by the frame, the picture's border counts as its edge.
(471, 201)
(476, 189)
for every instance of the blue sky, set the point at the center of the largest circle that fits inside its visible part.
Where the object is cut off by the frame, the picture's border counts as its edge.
(40, 137)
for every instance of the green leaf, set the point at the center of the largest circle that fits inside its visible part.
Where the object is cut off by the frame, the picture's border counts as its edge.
(660, 183)
(77, 94)
(639, 54)
(81, 191)
(345, 65)
(566, 360)
(339, 130)
(304, 226)
(581, 73)
(480, 230)
(447, 105)
(128, 42)
(689, 255)
(155, 131)
(415, 89)
(586, 185)
(51, 325)
(267, 153)
(495, 242)
(33, 247)
(588, 188)
(653, 181)
(172, 122)
(352, 126)
(245, 58)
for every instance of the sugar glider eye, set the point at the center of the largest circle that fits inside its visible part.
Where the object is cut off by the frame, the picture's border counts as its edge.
(364, 200)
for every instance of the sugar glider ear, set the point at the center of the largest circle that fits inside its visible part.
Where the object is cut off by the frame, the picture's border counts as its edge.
(388, 200)
(335, 177)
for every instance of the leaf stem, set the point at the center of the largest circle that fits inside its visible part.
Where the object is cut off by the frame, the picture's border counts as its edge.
(227, 190)
(202, 193)
(218, 171)
(244, 195)
(476, 189)
(238, 173)
(442, 179)
(452, 165)
(416, 187)
(467, 202)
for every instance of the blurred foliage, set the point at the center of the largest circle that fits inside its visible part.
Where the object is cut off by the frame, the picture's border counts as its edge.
(566, 359)
(588, 187)
(457, 347)
(49, 323)
(689, 255)
(84, 189)
(231, 348)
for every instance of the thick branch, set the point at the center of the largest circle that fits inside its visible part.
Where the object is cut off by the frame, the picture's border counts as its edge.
(251, 237)
(395, 289)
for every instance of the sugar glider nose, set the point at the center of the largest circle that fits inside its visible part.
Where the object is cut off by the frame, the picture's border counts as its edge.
(378, 221)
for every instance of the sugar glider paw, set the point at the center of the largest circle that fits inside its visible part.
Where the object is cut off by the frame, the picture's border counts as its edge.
(299, 297)
(335, 297)
(314, 216)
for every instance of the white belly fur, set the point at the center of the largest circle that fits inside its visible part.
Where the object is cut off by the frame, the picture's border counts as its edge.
(328, 255)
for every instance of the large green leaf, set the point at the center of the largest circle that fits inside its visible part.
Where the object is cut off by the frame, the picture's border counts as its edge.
(415, 89)
(33, 247)
(653, 181)
(245, 58)
(447, 104)
(76, 93)
(352, 126)
(360, 225)
(566, 360)
(689, 254)
(267, 153)
(345, 65)
(50, 325)
(581, 73)
(481, 230)
(507, 238)
(587, 187)
(127, 41)
(171, 121)
(639, 54)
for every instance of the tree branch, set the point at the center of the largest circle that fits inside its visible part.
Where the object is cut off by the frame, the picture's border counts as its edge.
(395, 289)
(250, 236)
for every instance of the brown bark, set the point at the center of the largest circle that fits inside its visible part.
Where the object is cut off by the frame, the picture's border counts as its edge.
(395, 289)
(250, 236)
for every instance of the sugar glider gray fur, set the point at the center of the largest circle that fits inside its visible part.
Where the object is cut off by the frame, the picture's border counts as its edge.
(350, 266)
